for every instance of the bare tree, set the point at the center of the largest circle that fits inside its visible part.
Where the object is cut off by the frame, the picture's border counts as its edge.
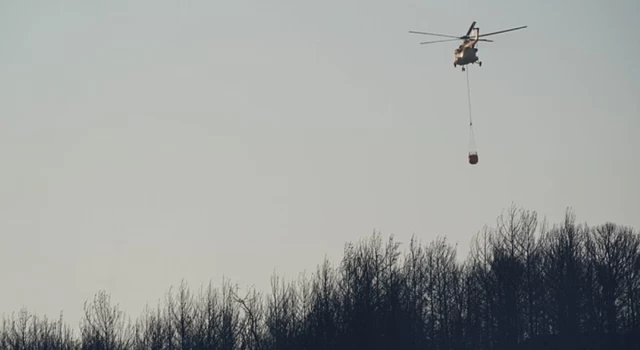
(280, 318)
(104, 326)
(414, 290)
(252, 327)
(631, 304)
(231, 322)
(325, 310)
(150, 332)
(182, 314)
(514, 233)
(564, 274)
(209, 319)
(17, 335)
(303, 312)
(443, 278)
(613, 252)
(481, 304)
(573, 285)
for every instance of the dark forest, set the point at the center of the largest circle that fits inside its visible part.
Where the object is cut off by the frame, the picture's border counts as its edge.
(525, 284)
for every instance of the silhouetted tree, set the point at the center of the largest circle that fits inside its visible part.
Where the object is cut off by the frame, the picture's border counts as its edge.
(252, 329)
(613, 256)
(18, 337)
(218, 323)
(27, 331)
(415, 289)
(481, 289)
(523, 286)
(181, 314)
(564, 271)
(104, 326)
(281, 316)
(150, 331)
(324, 314)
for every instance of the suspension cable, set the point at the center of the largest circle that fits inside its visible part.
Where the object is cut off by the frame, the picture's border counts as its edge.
(469, 97)
(472, 136)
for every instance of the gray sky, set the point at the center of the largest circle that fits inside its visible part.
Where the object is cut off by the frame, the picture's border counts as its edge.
(143, 142)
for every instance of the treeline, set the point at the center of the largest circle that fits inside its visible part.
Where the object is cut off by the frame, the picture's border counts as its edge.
(525, 284)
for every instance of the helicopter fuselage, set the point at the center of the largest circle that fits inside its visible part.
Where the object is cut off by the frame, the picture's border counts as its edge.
(465, 55)
(467, 52)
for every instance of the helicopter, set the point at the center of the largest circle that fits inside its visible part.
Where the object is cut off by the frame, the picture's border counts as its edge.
(466, 53)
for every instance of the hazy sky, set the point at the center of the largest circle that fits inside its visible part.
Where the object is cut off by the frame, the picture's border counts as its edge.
(143, 142)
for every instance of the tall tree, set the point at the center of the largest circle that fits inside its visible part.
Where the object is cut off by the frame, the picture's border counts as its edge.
(564, 288)
(104, 326)
(564, 273)
(613, 252)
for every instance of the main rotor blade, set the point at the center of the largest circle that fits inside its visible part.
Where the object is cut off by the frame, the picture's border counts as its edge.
(470, 29)
(447, 40)
(502, 31)
(434, 34)
(438, 41)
